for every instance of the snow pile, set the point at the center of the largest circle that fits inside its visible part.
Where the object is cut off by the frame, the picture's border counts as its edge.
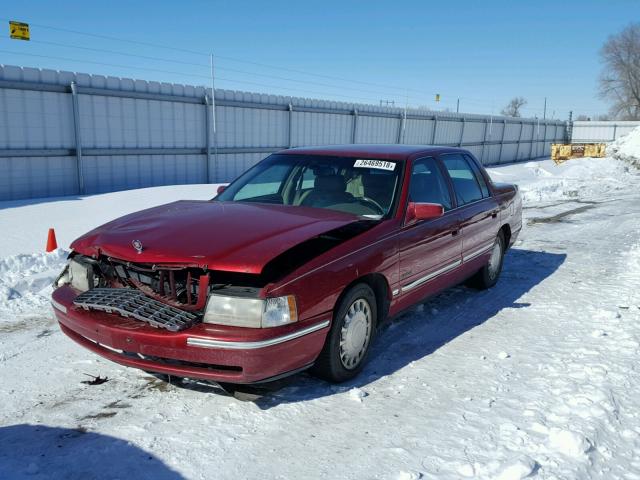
(627, 148)
(572, 444)
(584, 178)
(520, 468)
(25, 283)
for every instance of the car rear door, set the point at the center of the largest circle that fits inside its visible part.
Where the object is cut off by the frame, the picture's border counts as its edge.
(428, 248)
(477, 209)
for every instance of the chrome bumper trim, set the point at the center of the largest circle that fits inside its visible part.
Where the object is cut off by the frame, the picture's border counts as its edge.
(225, 345)
(58, 306)
(426, 278)
(477, 253)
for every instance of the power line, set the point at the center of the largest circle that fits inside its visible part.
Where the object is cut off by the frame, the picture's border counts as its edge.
(195, 52)
(201, 65)
(396, 89)
(54, 57)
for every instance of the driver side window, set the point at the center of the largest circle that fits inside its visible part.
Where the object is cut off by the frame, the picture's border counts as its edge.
(427, 184)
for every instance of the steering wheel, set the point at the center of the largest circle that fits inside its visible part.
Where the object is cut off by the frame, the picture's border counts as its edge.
(370, 202)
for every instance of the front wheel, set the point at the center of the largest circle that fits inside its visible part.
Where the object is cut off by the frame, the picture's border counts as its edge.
(488, 275)
(348, 342)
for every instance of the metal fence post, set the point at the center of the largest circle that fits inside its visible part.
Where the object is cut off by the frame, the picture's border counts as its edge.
(519, 140)
(401, 126)
(484, 140)
(544, 139)
(435, 126)
(354, 130)
(615, 129)
(464, 122)
(531, 143)
(504, 130)
(290, 125)
(207, 136)
(78, 139)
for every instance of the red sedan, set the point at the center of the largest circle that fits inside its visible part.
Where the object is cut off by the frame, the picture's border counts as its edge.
(292, 266)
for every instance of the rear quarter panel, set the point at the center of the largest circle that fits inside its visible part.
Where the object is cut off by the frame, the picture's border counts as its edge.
(510, 204)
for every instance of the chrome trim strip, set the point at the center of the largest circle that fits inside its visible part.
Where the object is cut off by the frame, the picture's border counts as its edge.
(224, 345)
(426, 278)
(476, 253)
(58, 306)
(395, 292)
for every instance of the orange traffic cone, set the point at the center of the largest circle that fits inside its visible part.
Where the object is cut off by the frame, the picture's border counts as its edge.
(52, 243)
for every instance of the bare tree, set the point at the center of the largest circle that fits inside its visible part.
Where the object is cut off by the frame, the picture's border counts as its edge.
(513, 107)
(582, 118)
(620, 78)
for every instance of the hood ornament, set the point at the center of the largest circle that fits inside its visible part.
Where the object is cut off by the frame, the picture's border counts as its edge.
(137, 244)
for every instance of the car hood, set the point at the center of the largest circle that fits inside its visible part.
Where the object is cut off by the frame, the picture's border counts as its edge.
(229, 236)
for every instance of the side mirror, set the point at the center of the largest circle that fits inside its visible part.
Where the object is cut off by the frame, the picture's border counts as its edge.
(221, 188)
(423, 211)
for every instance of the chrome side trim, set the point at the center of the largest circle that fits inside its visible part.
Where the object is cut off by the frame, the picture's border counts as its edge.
(395, 292)
(58, 306)
(224, 345)
(476, 253)
(426, 278)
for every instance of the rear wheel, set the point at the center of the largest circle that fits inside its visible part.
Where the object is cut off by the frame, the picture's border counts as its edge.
(488, 275)
(349, 340)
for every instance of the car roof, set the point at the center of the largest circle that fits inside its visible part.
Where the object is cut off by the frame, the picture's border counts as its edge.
(378, 151)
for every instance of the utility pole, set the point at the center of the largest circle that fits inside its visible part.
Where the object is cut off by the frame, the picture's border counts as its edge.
(544, 115)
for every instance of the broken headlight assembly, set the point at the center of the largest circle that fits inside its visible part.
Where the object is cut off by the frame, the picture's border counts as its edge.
(79, 273)
(250, 312)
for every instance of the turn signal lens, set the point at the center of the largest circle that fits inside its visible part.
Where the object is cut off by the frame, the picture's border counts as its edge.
(279, 311)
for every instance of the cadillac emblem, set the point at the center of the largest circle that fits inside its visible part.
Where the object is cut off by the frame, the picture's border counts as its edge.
(137, 244)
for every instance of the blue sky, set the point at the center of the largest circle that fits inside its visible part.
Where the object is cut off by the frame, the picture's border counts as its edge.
(482, 52)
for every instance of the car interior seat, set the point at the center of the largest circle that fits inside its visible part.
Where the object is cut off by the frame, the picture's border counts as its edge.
(328, 190)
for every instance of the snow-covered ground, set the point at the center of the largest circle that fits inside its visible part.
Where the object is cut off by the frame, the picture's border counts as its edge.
(537, 377)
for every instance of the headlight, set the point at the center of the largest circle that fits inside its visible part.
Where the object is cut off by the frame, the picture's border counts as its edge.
(250, 312)
(78, 274)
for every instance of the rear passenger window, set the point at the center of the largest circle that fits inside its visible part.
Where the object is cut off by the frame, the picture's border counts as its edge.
(479, 176)
(464, 179)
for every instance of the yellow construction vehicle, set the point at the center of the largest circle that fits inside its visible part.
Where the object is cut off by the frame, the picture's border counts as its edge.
(563, 152)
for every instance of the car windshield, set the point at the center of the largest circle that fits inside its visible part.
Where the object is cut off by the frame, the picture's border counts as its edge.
(364, 187)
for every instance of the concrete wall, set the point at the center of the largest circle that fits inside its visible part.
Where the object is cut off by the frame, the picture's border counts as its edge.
(64, 133)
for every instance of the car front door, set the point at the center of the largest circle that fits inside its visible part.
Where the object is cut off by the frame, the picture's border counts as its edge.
(429, 249)
(477, 209)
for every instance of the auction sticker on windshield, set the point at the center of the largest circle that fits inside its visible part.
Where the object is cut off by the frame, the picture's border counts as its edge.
(381, 164)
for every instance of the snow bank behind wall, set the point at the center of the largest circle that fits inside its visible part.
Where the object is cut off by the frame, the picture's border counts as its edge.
(627, 148)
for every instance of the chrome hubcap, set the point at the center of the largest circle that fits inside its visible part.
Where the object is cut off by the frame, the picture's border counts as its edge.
(355, 333)
(494, 261)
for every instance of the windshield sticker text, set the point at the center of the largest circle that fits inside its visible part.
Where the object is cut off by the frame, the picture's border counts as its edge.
(381, 164)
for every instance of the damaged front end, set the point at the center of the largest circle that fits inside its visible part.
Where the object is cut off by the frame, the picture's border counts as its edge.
(176, 297)
(165, 296)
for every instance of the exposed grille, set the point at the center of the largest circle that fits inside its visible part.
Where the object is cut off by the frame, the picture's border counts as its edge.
(132, 303)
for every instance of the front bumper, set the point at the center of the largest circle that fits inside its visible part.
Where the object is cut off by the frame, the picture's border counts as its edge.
(204, 351)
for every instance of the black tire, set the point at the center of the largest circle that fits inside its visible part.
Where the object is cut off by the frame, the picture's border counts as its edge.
(488, 275)
(330, 364)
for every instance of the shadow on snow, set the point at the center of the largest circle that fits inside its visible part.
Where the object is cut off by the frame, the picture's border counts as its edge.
(37, 451)
(414, 334)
